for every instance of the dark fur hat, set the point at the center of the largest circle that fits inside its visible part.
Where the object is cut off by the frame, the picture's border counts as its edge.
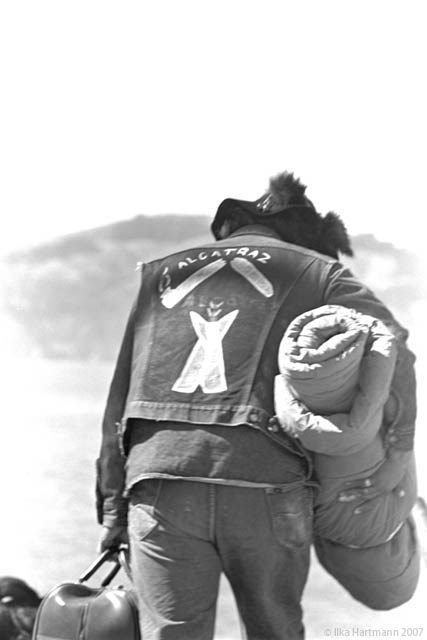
(334, 237)
(284, 191)
(298, 222)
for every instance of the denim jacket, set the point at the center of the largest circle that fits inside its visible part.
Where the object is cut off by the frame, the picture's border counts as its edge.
(202, 339)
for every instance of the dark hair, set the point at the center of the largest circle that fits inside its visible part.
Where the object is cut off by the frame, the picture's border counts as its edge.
(285, 209)
(300, 226)
(237, 217)
(18, 608)
(8, 630)
(16, 623)
(16, 592)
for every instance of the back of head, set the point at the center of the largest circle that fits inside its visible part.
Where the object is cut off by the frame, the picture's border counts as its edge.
(18, 608)
(8, 630)
(16, 592)
(16, 623)
(285, 208)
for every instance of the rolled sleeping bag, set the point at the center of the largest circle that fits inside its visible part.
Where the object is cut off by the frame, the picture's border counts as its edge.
(336, 367)
(381, 577)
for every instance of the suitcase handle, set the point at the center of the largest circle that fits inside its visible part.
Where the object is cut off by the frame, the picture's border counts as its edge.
(120, 557)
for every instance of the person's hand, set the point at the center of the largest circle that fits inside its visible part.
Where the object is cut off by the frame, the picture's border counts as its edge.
(112, 537)
(387, 478)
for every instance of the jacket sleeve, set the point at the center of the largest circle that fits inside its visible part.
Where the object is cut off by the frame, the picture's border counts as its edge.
(110, 466)
(344, 288)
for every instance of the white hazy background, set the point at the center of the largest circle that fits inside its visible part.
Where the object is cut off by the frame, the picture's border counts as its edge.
(113, 109)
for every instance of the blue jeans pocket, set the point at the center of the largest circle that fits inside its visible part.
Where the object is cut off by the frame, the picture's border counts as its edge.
(143, 500)
(291, 515)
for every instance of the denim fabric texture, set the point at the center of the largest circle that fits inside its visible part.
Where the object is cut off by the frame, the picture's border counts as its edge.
(227, 455)
(325, 281)
(184, 534)
(200, 348)
(207, 328)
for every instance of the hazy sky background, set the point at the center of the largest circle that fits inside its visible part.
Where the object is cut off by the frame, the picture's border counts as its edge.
(112, 109)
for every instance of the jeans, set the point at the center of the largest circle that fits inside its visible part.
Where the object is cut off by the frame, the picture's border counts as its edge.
(184, 534)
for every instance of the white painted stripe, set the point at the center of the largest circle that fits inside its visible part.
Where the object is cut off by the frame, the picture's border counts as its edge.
(171, 297)
(253, 275)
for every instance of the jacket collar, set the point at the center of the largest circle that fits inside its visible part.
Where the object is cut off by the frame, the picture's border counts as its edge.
(255, 229)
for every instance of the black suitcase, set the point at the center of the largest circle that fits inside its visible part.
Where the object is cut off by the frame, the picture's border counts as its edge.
(74, 610)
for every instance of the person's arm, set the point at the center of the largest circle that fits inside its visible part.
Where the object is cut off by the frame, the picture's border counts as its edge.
(111, 505)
